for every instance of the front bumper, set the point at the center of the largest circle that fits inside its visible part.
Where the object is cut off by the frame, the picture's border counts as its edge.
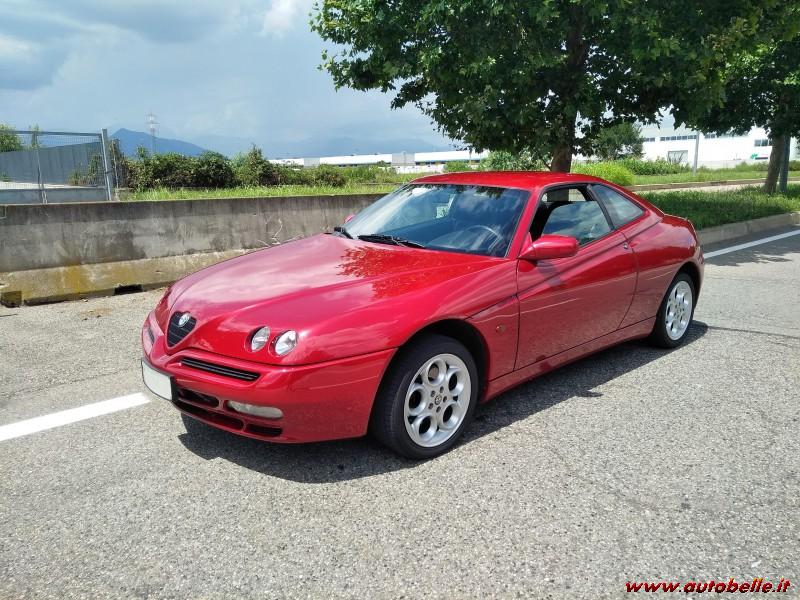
(323, 401)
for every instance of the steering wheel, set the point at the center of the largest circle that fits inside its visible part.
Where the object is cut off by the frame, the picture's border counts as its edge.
(485, 227)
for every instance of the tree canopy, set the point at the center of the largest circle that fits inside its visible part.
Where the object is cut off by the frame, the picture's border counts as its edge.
(762, 90)
(544, 76)
(619, 141)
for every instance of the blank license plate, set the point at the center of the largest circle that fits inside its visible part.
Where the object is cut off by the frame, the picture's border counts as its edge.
(156, 381)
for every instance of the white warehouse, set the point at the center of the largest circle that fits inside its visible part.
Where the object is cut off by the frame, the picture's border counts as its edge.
(678, 145)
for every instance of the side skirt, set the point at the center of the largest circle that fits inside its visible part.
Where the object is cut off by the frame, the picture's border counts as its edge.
(631, 332)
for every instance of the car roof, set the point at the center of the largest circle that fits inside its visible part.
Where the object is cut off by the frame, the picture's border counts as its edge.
(527, 180)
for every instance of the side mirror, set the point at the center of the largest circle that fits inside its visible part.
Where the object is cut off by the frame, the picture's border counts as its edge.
(550, 246)
(349, 218)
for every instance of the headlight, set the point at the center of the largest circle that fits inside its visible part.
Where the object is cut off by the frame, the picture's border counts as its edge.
(285, 343)
(259, 339)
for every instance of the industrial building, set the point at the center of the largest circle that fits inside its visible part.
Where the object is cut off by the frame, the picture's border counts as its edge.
(714, 151)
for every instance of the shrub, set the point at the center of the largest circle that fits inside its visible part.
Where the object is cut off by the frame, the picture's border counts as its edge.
(294, 175)
(368, 173)
(212, 170)
(9, 141)
(252, 169)
(763, 165)
(653, 167)
(610, 171)
(328, 175)
(91, 176)
(169, 170)
(456, 166)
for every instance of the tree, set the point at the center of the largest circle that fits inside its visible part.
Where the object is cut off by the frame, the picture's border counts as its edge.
(9, 141)
(763, 90)
(543, 76)
(619, 141)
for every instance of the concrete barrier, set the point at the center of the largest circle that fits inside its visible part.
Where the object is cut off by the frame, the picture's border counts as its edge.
(62, 251)
(730, 231)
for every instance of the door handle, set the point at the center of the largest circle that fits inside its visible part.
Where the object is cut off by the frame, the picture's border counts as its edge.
(625, 246)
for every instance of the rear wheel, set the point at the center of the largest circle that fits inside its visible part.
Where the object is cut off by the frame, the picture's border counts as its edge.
(675, 313)
(427, 398)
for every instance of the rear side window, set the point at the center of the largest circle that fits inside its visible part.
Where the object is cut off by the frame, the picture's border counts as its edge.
(569, 211)
(620, 209)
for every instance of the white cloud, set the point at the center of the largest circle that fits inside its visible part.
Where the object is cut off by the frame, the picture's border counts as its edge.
(282, 15)
(25, 64)
(240, 68)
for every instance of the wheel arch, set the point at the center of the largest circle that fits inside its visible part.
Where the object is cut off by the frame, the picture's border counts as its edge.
(692, 271)
(461, 331)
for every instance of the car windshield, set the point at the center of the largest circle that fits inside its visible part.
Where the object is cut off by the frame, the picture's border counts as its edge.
(459, 218)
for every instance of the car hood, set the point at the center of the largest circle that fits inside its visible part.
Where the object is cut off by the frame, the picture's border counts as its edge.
(342, 296)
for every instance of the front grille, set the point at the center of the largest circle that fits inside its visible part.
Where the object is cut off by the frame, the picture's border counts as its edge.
(175, 333)
(203, 365)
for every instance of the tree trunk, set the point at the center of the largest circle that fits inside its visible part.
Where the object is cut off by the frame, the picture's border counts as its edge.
(577, 50)
(562, 157)
(775, 163)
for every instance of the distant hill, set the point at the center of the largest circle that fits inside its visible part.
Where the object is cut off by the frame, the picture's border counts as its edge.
(311, 147)
(129, 141)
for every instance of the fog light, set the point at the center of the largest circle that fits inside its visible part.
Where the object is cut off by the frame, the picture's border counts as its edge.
(268, 412)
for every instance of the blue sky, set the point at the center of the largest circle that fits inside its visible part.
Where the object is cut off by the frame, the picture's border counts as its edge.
(235, 68)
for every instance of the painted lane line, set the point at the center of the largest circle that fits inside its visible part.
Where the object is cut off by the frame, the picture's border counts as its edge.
(65, 417)
(765, 240)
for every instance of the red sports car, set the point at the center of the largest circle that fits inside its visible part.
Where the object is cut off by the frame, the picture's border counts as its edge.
(439, 296)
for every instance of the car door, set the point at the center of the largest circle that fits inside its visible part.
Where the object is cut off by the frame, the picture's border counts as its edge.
(567, 302)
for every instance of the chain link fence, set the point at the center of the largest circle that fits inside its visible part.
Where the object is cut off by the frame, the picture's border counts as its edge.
(54, 166)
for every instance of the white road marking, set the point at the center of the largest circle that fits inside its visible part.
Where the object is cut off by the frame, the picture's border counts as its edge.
(65, 417)
(765, 240)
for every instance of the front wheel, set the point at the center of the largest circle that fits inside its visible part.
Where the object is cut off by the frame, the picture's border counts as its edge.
(675, 313)
(427, 398)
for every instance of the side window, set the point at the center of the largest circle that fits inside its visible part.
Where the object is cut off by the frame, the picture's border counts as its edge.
(568, 211)
(620, 209)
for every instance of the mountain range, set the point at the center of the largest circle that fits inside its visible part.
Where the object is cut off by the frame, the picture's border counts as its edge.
(130, 140)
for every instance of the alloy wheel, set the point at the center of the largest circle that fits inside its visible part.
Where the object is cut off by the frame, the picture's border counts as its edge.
(437, 400)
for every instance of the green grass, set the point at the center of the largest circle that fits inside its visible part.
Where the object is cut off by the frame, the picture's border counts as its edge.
(705, 175)
(264, 191)
(707, 209)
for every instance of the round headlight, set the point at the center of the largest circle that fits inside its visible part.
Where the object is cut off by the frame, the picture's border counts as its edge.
(285, 343)
(259, 339)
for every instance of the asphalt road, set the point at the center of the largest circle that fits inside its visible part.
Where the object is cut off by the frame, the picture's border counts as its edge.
(635, 463)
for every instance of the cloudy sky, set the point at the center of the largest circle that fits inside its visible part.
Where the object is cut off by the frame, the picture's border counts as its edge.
(234, 68)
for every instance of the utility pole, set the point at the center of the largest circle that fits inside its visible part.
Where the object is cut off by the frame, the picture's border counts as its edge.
(696, 151)
(151, 125)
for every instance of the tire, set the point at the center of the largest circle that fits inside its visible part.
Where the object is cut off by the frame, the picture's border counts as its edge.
(675, 313)
(422, 413)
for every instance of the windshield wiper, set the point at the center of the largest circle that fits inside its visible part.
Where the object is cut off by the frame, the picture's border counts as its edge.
(390, 239)
(343, 231)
